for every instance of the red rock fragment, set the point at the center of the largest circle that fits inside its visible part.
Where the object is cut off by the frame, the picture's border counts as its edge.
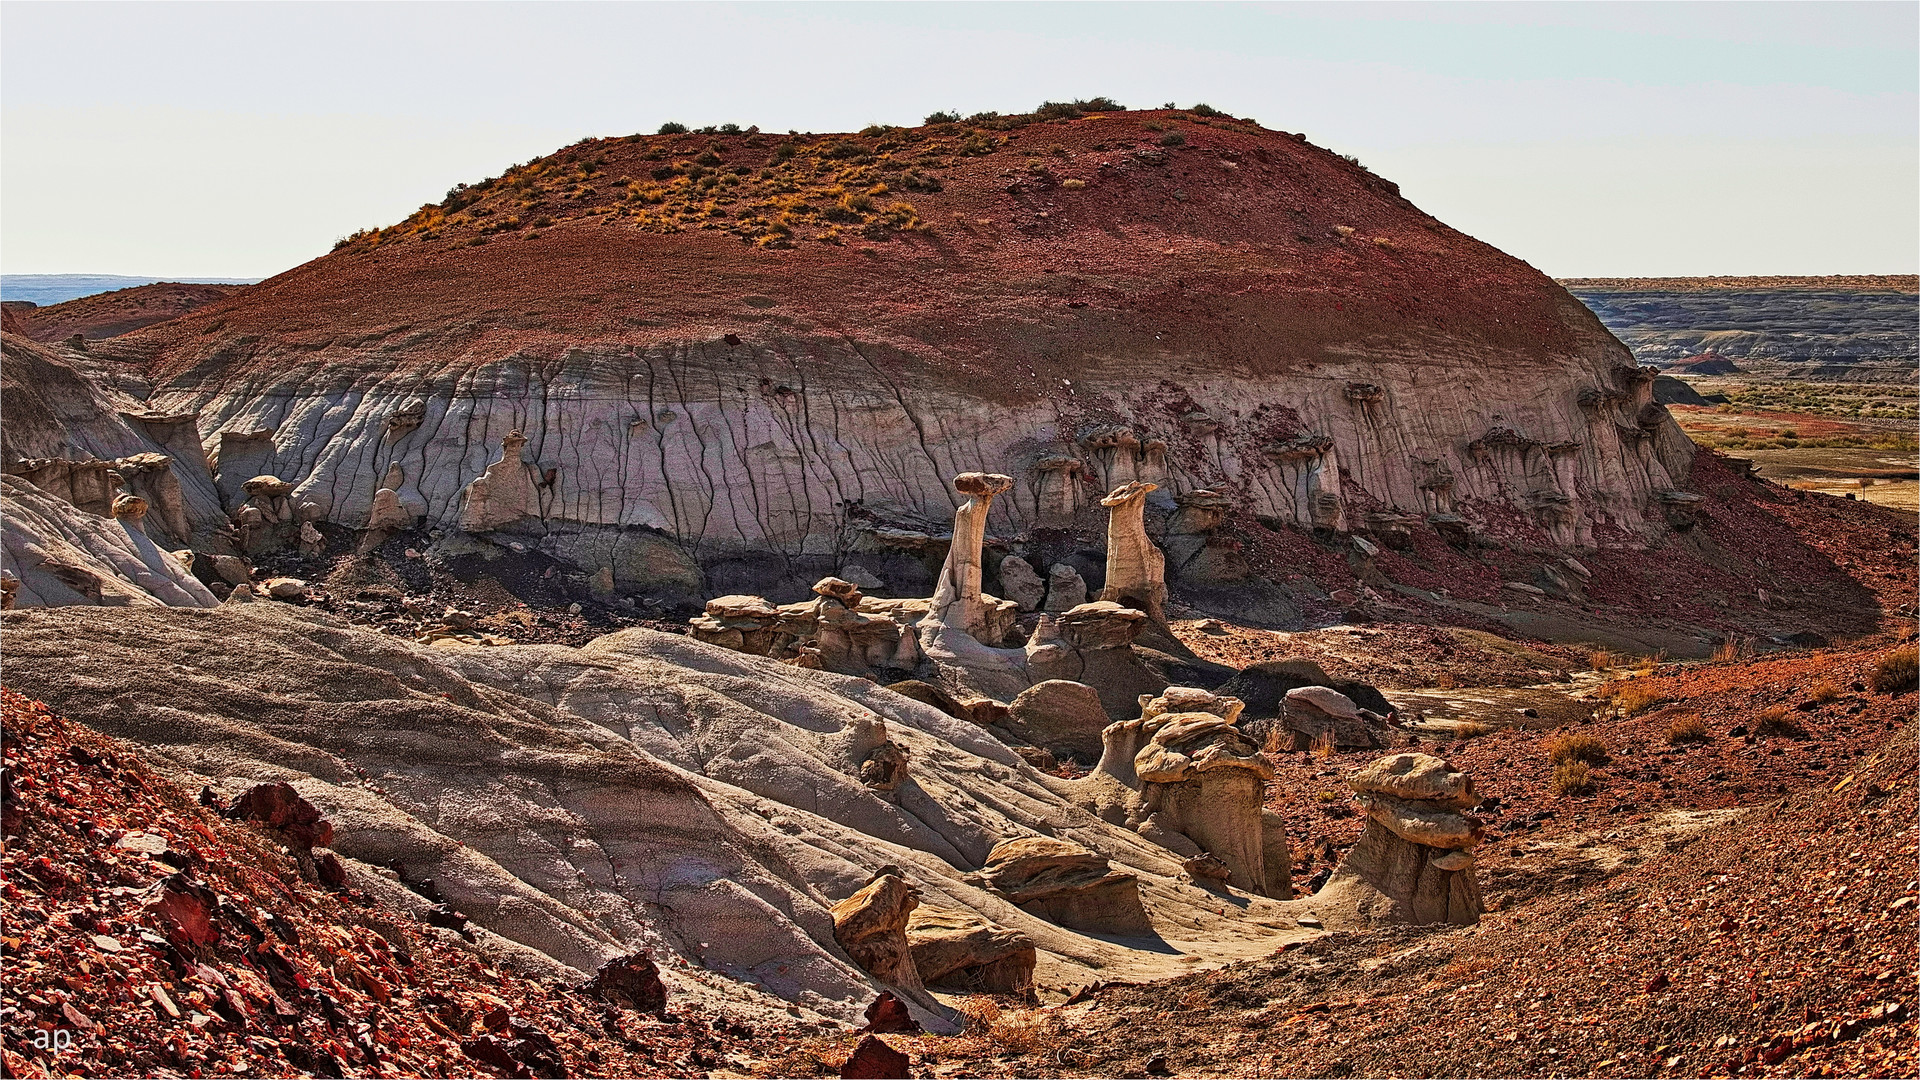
(185, 911)
(279, 807)
(888, 1015)
(1659, 982)
(630, 980)
(873, 1059)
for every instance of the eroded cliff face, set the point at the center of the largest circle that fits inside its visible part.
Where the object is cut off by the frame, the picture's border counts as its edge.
(1243, 313)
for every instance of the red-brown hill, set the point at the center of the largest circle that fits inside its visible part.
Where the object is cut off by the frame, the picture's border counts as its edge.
(110, 314)
(1057, 240)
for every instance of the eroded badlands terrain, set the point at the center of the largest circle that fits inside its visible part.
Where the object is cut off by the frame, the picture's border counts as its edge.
(1087, 594)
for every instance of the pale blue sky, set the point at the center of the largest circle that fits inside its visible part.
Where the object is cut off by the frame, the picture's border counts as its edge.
(1588, 139)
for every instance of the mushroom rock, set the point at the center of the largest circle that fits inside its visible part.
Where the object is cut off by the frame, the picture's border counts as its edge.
(1065, 883)
(1093, 644)
(505, 493)
(1136, 570)
(1322, 714)
(872, 926)
(1063, 716)
(959, 950)
(958, 634)
(1413, 862)
(743, 623)
(1200, 512)
(1196, 776)
(1020, 583)
(1066, 589)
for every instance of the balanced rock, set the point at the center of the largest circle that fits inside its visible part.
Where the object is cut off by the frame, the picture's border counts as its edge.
(959, 950)
(1199, 781)
(1065, 883)
(1413, 862)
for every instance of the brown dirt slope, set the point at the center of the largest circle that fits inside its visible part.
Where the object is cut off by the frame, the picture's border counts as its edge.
(110, 314)
(300, 981)
(1038, 250)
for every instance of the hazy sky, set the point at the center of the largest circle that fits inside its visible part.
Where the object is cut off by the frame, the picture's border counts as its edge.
(1589, 139)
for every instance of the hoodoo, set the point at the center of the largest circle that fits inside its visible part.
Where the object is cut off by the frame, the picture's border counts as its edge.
(760, 357)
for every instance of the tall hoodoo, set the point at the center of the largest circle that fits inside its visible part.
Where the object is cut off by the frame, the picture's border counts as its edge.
(956, 600)
(1136, 570)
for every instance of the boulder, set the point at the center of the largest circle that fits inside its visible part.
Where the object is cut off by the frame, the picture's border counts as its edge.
(1319, 714)
(873, 1059)
(1020, 583)
(631, 980)
(960, 950)
(1067, 884)
(1066, 589)
(1063, 716)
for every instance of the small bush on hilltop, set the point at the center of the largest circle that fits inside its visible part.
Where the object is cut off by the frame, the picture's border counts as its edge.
(1173, 138)
(1582, 748)
(1686, 729)
(672, 127)
(1204, 109)
(1572, 778)
(942, 118)
(1897, 672)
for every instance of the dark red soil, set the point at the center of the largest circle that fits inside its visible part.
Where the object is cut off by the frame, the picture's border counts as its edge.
(1249, 247)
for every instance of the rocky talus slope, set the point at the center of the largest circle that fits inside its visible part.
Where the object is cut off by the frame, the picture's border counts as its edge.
(147, 935)
(741, 354)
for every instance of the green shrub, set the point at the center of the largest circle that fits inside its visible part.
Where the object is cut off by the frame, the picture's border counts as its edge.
(1203, 109)
(1173, 138)
(672, 128)
(942, 118)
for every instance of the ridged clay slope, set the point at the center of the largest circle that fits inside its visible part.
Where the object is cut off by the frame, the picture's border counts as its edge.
(749, 342)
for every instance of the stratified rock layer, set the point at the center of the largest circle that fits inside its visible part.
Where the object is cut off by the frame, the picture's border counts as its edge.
(1244, 314)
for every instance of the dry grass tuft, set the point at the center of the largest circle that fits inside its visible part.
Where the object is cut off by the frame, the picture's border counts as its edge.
(1473, 729)
(1019, 1030)
(1686, 729)
(1601, 659)
(1572, 778)
(1568, 749)
(1323, 746)
(1824, 691)
(1634, 698)
(1775, 721)
(1897, 672)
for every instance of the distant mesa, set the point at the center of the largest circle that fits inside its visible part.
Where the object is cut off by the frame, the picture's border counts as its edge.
(46, 289)
(101, 315)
